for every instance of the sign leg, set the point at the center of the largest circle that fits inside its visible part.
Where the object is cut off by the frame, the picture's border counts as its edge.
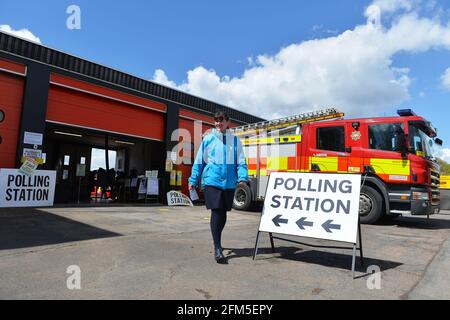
(255, 252)
(353, 260)
(361, 256)
(79, 190)
(271, 242)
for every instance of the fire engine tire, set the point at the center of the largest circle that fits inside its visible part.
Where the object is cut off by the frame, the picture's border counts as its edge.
(370, 205)
(242, 198)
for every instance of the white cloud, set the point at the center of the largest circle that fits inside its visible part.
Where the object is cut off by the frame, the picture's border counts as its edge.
(22, 33)
(318, 28)
(161, 77)
(444, 154)
(352, 71)
(445, 78)
(396, 5)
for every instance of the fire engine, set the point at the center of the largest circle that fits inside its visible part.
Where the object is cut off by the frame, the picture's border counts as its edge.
(394, 156)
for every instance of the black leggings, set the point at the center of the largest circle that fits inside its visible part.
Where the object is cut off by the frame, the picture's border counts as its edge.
(218, 220)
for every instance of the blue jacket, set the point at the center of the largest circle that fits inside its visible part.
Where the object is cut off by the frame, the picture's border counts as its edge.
(222, 166)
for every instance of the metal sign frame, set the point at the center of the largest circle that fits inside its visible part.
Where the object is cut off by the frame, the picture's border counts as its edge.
(354, 247)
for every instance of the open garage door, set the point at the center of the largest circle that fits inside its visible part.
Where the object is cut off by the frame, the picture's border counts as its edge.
(82, 175)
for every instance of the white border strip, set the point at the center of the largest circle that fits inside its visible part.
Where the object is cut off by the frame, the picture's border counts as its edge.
(107, 97)
(14, 72)
(192, 119)
(102, 130)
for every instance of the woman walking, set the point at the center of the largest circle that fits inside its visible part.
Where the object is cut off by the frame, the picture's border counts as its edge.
(221, 163)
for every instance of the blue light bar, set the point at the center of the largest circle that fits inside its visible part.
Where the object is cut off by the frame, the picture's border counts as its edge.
(405, 113)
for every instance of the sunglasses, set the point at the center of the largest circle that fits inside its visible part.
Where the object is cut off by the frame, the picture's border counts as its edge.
(219, 119)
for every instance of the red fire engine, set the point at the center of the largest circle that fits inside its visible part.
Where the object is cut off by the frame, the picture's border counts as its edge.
(394, 155)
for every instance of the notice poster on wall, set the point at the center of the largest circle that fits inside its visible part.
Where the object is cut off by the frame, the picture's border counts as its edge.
(32, 153)
(28, 167)
(20, 190)
(81, 170)
(33, 138)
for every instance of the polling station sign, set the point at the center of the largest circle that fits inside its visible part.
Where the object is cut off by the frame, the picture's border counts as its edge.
(315, 205)
(20, 190)
(175, 198)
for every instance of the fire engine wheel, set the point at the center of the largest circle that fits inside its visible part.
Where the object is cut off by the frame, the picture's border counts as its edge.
(242, 198)
(370, 205)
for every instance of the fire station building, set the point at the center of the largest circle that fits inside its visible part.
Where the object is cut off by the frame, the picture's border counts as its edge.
(61, 107)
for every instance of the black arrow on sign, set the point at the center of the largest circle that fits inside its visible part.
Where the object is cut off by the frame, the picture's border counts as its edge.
(328, 226)
(277, 220)
(302, 223)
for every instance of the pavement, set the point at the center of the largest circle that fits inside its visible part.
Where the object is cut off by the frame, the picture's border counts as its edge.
(158, 252)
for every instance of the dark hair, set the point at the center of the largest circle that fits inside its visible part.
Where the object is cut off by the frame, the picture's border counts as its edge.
(221, 113)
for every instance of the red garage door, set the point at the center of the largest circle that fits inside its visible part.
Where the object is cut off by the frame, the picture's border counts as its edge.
(81, 104)
(11, 93)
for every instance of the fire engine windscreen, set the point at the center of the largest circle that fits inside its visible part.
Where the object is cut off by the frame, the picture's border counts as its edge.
(421, 144)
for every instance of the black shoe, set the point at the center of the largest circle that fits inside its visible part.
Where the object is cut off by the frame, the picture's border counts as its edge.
(220, 258)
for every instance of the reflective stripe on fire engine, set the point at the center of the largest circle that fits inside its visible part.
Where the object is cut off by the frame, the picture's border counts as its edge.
(392, 167)
(271, 140)
(326, 163)
(277, 163)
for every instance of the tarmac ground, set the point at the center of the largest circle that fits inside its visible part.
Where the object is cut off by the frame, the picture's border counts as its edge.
(159, 252)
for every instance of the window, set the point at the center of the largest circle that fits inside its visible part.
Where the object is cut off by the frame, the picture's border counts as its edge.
(331, 138)
(2, 116)
(98, 159)
(385, 136)
(421, 144)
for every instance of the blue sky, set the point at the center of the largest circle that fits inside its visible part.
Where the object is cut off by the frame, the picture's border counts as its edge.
(366, 57)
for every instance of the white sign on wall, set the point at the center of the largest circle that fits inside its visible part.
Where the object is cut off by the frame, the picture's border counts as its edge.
(315, 205)
(33, 138)
(20, 190)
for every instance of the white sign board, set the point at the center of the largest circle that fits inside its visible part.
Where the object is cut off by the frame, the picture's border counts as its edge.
(142, 186)
(81, 170)
(151, 174)
(33, 138)
(152, 186)
(175, 198)
(314, 205)
(20, 190)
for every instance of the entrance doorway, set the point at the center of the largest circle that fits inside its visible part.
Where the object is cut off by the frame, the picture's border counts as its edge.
(86, 173)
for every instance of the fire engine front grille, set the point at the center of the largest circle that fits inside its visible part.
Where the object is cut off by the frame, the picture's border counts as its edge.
(435, 180)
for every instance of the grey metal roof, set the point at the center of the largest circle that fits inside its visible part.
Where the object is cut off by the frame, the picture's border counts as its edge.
(42, 54)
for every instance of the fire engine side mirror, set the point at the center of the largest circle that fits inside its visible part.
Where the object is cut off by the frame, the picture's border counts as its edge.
(439, 142)
(400, 141)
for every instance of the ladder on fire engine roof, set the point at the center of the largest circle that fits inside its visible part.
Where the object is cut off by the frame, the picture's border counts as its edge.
(250, 129)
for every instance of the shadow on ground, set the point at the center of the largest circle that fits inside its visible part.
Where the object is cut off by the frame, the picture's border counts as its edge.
(324, 258)
(23, 228)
